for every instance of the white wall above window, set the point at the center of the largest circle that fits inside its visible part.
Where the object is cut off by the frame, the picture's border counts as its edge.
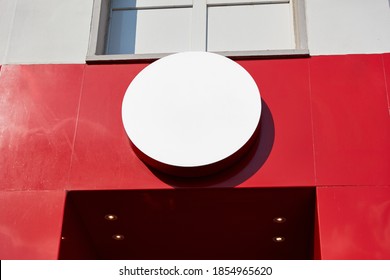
(136, 29)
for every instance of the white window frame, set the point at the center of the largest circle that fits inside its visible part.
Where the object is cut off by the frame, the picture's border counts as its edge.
(102, 9)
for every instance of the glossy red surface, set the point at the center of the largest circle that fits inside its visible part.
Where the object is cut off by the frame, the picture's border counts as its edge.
(386, 66)
(317, 240)
(102, 146)
(284, 86)
(325, 122)
(350, 120)
(354, 222)
(30, 224)
(102, 157)
(38, 108)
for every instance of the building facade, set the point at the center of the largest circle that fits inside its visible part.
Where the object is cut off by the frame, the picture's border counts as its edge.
(322, 153)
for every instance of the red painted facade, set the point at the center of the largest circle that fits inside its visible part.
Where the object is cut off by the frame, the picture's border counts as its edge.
(326, 123)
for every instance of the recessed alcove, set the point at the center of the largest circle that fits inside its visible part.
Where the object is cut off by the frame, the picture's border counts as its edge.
(228, 223)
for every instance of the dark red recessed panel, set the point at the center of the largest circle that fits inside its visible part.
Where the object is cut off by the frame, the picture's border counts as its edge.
(354, 222)
(103, 158)
(351, 120)
(30, 224)
(189, 224)
(284, 86)
(38, 108)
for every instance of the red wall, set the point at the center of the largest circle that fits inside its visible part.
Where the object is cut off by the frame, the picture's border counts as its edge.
(326, 124)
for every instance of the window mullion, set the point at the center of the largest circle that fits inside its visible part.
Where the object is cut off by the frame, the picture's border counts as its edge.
(199, 26)
(300, 24)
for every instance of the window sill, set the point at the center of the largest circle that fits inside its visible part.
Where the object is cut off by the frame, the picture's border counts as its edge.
(123, 58)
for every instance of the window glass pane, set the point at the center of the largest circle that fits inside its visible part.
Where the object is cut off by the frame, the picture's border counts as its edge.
(250, 27)
(123, 3)
(149, 31)
(120, 4)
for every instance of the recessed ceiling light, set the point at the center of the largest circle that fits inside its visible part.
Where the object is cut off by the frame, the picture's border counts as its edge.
(111, 217)
(118, 237)
(63, 238)
(278, 239)
(280, 220)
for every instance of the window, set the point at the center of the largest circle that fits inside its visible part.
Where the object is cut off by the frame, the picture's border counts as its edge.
(137, 29)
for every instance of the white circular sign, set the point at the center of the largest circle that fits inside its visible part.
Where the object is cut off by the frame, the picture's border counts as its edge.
(191, 109)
